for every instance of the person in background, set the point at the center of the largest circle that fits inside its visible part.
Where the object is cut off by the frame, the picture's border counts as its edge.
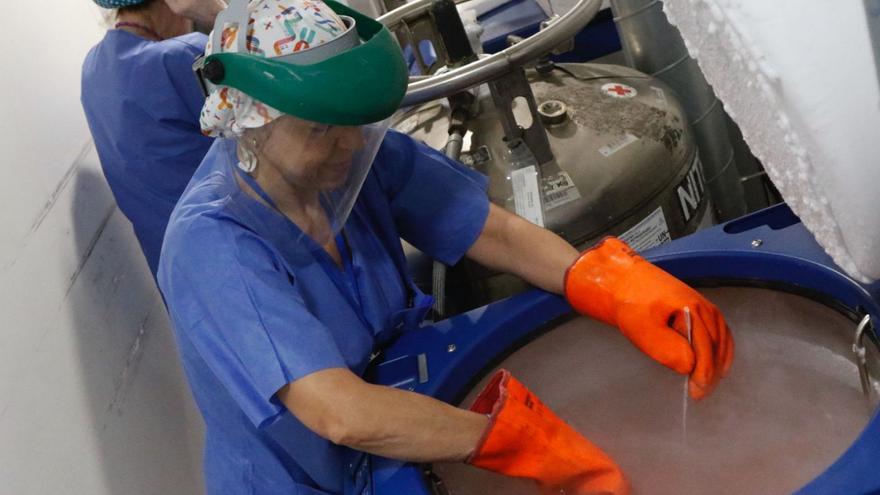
(142, 105)
(284, 274)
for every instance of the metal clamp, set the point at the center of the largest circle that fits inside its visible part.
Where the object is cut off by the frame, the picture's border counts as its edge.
(435, 482)
(504, 91)
(861, 356)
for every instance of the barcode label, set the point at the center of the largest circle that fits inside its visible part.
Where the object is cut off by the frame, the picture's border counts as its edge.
(556, 196)
(559, 189)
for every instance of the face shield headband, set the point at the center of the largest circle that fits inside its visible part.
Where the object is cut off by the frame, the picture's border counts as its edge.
(315, 84)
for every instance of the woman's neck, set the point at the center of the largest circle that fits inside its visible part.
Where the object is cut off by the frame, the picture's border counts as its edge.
(301, 206)
(287, 197)
(157, 22)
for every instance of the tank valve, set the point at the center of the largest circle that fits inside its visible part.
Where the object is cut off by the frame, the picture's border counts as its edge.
(553, 112)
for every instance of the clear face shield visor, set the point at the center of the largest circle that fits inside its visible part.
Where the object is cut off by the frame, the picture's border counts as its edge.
(311, 173)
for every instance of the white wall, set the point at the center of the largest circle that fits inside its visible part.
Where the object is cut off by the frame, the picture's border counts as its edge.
(798, 76)
(92, 398)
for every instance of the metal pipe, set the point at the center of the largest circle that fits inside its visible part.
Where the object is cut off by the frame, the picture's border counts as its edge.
(755, 191)
(654, 46)
(438, 289)
(393, 18)
(453, 145)
(488, 68)
(438, 273)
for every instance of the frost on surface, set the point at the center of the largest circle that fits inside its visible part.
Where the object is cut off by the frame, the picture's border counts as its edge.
(808, 103)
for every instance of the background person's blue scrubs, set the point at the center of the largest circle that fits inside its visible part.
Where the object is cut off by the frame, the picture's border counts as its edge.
(254, 310)
(142, 103)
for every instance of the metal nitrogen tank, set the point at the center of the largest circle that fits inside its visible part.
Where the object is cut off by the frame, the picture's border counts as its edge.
(625, 161)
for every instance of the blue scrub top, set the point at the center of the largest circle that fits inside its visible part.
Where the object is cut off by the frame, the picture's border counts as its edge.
(254, 309)
(142, 103)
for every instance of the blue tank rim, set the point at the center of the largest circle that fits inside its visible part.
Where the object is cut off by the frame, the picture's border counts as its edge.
(769, 248)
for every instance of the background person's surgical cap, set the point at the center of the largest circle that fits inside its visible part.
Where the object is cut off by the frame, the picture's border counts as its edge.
(276, 28)
(117, 4)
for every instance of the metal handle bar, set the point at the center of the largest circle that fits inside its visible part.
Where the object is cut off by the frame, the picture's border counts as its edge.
(485, 69)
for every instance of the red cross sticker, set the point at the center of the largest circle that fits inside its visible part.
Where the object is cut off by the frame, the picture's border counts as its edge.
(617, 90)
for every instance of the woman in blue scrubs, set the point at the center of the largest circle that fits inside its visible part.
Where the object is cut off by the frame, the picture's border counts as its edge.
(284, 274)
(142, 105)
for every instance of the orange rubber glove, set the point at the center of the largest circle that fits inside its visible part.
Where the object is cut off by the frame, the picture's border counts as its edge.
(525, 439)
(613, 284)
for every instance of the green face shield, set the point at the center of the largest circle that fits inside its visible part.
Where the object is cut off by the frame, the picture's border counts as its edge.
(356, 79)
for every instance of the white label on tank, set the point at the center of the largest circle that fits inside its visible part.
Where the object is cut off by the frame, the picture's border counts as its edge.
(526, 194)
(650, 232)
(559, 189)
(660, 94)
(617, 143)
